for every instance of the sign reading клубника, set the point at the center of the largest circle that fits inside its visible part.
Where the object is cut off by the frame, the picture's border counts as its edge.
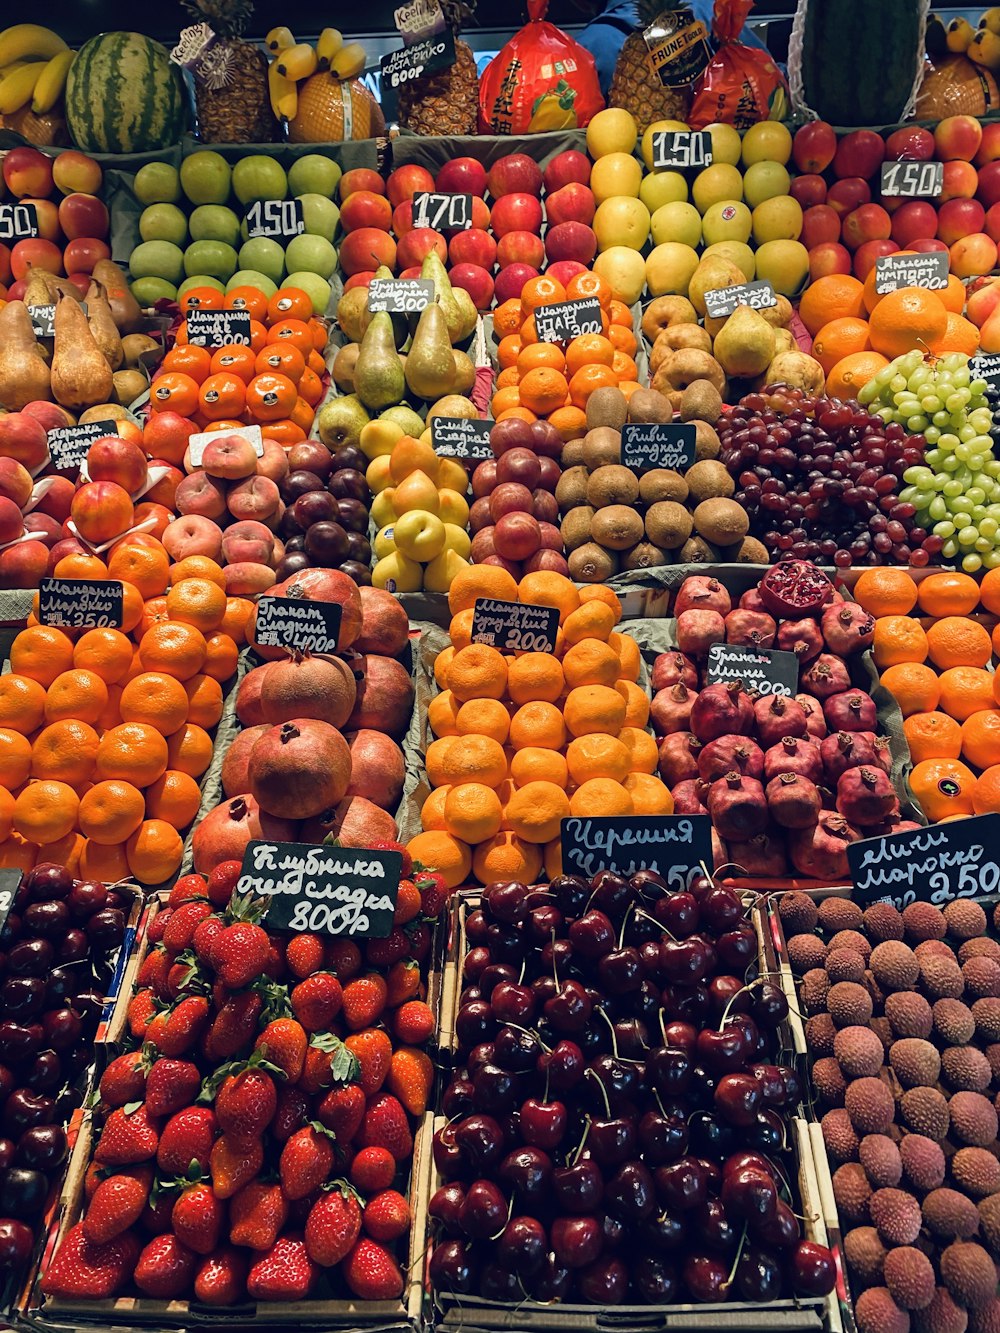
(324, 890)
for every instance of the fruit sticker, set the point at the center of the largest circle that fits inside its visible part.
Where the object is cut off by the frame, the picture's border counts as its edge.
(323, 890)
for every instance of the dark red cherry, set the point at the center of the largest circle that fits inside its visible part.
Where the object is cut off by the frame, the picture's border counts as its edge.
(483, 1210)
(812, 1269)
(576, 1241)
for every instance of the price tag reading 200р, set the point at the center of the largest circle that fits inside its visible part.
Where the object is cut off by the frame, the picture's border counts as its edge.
(565, 320)
(515, 627)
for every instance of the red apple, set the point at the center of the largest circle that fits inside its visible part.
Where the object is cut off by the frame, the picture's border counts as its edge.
(910, 144)
(412, 272)
(402, 218)
(366, 249)
(848, 194)
(571, 203)
(81, 281)
(957, 138)
(507, 497)
(479, 515)
(820, 226)
(27, 172)
(80, 256)
(571, 240)
(515, 173)
(361, 178)
(473, 246)
(48, 219)
(564, 269)
(519, 464)
(76, 173)
(913, 219)
(484, 478)
(859, 153)
(814, 146)
(567, 168)
(462, 175)
(989, 147)
(4, 263)
(359, 279)
(866, 254)
(520, 247)
(958, 218)
(35, 253)
(992, 224)
(83, 215)
(961, 181)
(925, 245)
(482, 541)
(405, 181)
(870, 222)
(517, 212)
(988, 192)
(510, 280)
(808, 191)
(476, 281)
(417, 244)
(972, 256)
(516, 536)
(480, 212)
(545, 507)
(365, 208)
(68, 546)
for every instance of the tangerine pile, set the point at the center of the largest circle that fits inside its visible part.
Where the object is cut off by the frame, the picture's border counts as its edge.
(525, 740)
(932, 654)
(551, 381)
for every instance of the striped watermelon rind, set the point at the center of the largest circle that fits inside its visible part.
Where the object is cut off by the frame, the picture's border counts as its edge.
(124, 96)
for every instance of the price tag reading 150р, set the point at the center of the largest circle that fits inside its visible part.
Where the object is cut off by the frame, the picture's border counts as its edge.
(283, 218)
(678, 149)
(515, 627)
(568, 319)
(18, 222)
(912, 180)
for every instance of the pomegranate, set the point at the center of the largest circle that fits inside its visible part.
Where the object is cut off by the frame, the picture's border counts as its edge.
(678, 760)
(248, 705)
(801, 637)
(225, 831)
(815, 721)
(235, 775)
(385, 628)
(760, 856)
(793, 754)
(847, 628)
(793, 801)
(720, 710)
(750, 601)
(319, 585)
(671, 709)
(737, 806)
(384, 695)
(854, 710)
(795, 588)
(355, 822)
(720, 855)
(698, 630)
(826, 675)
(821, 851)
(700, 592)
(321, 688)
(897, 825)
(865, 795)
(299, 768)
(727, 753)
(844, 750)
(689, 797)
(671, 668)
(882, 749)
(377, 768)
(776, 716)
(756, 628)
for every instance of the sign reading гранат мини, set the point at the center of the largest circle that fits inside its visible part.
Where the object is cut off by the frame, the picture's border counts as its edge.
(327, 890)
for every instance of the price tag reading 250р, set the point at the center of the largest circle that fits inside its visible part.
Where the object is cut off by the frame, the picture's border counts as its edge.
(935, 864)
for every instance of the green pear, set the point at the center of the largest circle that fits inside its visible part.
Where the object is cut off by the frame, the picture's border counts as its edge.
(378, 373)
(406, 417)
(430, 366)
(745, 344)
(433, 269)
(341, 421)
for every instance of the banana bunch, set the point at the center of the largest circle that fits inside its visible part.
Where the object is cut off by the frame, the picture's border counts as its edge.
(982, 44)
(293, 61)
(34, 66)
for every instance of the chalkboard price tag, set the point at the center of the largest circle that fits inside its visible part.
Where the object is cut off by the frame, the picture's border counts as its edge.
(281, 219)
(723, 300)
(323, 890)
(936, 864)
(80, 603)
(924, 270)
(298, 624)
(217, 328)
(759, 670)
(43, 320)
(457, 437)
(679, 149)
(400, 296)
(68, 445)
(515, 627)
(10, 882)
(564, 320)
(418, 60)
(443, 212)
(912, 180)
(986, 367)
(675, 846)
(18, 222)
(197, 444)
(658, 444)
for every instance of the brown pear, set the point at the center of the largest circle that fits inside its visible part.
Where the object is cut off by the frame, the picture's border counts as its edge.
(24, 376)
(103, 326)
(37, 291)
(124, 306)
(80, 374)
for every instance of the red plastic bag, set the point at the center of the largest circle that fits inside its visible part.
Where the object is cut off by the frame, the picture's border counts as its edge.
(540, 80)
(742, 85)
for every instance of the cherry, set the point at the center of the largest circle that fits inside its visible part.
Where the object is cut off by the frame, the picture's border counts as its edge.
(619, 1081)
(770, 1007)
(445, 1207)
(632, 1037)
(741, 1161)
(680, 1034)
(767, 1133)
(655, 1280)
(48, 881)
(681, 1185)
(505, 901)
(722, 1049)
(528, 1171)
(476, 962)
(728, 992)
(515, 1050)
(620, 971)
(662, 1138)
(780, 1231)
(480, 1140)
(812, 1269)
(552, 1282)
(668, 1069)
(570, 1008)
(611, 892)
(592, 935)
(557, 957)
(648, 885)
(738, 1098)
(563, 1065)
(543, 922)
(684, 960)
(721, 910)
(62, 1028)
(612, 1139)
(476, 927)
(474, 1023)
(758, 1275)
(750, 1193)
(497, 1283)
(23, 996)
(736, 948)
(16, 1243)
(705, 1277)
(630, 1193)
(576, 1241)
(543, 1124)
(85, 898)
(448, 1156)
(105, 929)
(713, 1226)
(679, 913)
(494, 1089)
(30, 958)
(772, 1085)
(483, 1210)
(43, 1147)
(578, 1188)
(570, 893)
(512, 1003)
(22, 1193)
(491, 977)
(522, 1246)
(604, 1282)
(451, 1267)
(664, 1232)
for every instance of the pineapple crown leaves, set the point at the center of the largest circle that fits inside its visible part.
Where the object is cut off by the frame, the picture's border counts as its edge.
(344, 1067)
(227, 18)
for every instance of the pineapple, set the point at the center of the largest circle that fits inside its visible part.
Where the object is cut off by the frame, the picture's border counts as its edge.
(230, 76)
(636, 84)
(446, 102)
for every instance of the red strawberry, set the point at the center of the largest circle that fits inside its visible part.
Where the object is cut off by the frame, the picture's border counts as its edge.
(328, 1061)
(283, 1042)
(166, 1268)
(304, 955)
(171, 1085)
(373, 1169)
(117, 1204)
(305, 1163)
(234, 1163)
(155, 1220)
(419, 935)
(407, 903)
(93, 1176)
(385, 1126)
(388, 845)
(205, 936)
(402, 983)
(372, 1273)
(333, 1225)
(187, 1137)
(285, 1273)
(433, 893)
(240, 954)
(342, 958)
(342, 1110)
(292, 1113)
(189, 888)
(245, 1102)
(127, 1138)
(124, 1080)
(386, 1216)
(221, 882)
(234, 1026)
(182, 974)
(275, 967)
(155, 970)
(316, 1001)
(385, 952)
(373, 1050)
(140, 1012)
(180, 928)
(197, 1218)
(158, 925)
(222, 1278)
(177, 1029)
(413, 1023)
(256, 1215)
(364, 1001)
(95, 1272)
(411, 1078)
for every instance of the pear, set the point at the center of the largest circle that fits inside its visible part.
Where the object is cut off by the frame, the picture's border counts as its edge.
(468, 311)
(378, 374)
(343, 366)
(455, 315)
(405, 417)
(24, 376)
(713, 272)
(798, 369)
(745, 345)
(416, 491)
(453, 405)
(37, 291)
(80, 374)
(430, 366)
(341, 421)
(124, 306)
(103, 326)
(352, 313)
(440, 572)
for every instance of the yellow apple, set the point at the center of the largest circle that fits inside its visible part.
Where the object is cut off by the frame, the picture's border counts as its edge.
(616, 174)
(624, 270)
(457, 540)
(453, 507)
(378, 437)
(452, 476)
(777, 220)
(384, 543)
(611, 131)
(663, 187)
(784, 264)
(670, 268)
(676, 222)
(737, 253)
(621, 221)
(727, 221)
(715, 185)
(381, 508)
(377, 474)
(438, 575)
(416, 491)
(647, 137)
(767, 141)
(396, 573)
(765, 180)
(726, 143)
(419, 535)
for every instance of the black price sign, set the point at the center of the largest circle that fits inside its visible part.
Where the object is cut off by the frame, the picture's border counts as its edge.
(10, 883)
(657, 444)
(43, 320)
(18, 222)
(936, 864)
(912, 180)
(400, 296)
(724, 300)
(515, 627)
(675, 846)
(443, 212)
(324, 890)
(80, 603)
(298, 624)
(681, 148)
(456, 437)
(68, 445)
(924, 270)
(217, 328)
(564, 320)
(417, 61)
(282, 218)
(986, 367)
(759, 670)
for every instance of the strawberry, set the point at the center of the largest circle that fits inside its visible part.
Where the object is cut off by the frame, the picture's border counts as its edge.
(419, 935)
(155, 1220)
(364, 1001)
(385, 952)
(221, 882)
(275, 967)
(386, 1216)
(180, 928)
(333, 1225)
(177, 1029)
(158, 925)
(222, 1278)
(93, 1176)
(117, 1204)
(95, 1272)
(187, 1137)
(166, 1268)
(204, 938)
(154, 971)
(407, 903)
(373, 1051)
(304, 955)
(385, 1126)
(171, 1085)
(189, 888)
(256, 1215)
(124, 1080)
(197, 1217)
(316, 1001)
(285, 1273)
(373, 1169)
(305, 1163)
(284, 1043)
(411, 1077)
(127, 1137)
(292, 1113)
(183, 977)
(140, 1012)
(234, 1026)
(388, 845)
(402, 983)
(433, 893)
(342, 1110)
(245, 1102)
(342, 958)
(234, 1163)
(328, 1061)
(240, 954)
(372, 1273)
(413, 1022)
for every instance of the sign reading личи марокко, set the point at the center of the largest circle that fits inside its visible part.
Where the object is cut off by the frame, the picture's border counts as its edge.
(935, 864)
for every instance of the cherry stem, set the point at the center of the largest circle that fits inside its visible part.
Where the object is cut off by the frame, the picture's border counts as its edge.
(656, 1094)
(739, 1256)
(530, 1032)
(555, 971)
(614, 1034)
(661, 1015)
(707, 873)
(742, 990)
(621, 933)
(604, 1092)
(578, 1150)
(524, 964)
(646, 916)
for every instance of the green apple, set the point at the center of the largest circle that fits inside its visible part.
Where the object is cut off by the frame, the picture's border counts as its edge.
(320, 215)
(765, 180)
(397, 573)
(259, 177)
(163, 222)
(676, 222)
(147, 291)
(264, 255)
(728, 220)
(213, 257)
(314, 174)
(778, 219)
(214, 222)
(315, 287)
(784, 264)
(157, 259)
(205, 177)
(249, 277)
(157, 183)
(419, 534)
(200, 280)
(716, 184)
(314, 254)
(663, 187)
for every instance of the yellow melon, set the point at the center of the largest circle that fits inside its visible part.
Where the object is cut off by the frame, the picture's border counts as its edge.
(332, 109)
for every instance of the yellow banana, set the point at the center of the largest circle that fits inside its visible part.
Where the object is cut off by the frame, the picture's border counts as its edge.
(991, 21)
(349, 61)
(298, 62)
(51, 82)
(17, 88)
(29, 41)
(283, 92)
(329, 43)
(279, 39)
(960, 33)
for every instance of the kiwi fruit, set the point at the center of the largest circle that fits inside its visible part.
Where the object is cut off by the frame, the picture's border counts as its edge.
(662, 483)
(649, 405)
(701, 401)
(645, 556)
(575, 528)
(571, 488)
(618, 527)
(610, 485)
(572, 454)
(708, 480)
(607, 407)
(706, 442)
(602, 445)
(668, 524)
(749, 552)
(721, 522)
(592, 564)
(696, 551)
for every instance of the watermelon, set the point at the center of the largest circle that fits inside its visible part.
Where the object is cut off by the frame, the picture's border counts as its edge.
(124, 96)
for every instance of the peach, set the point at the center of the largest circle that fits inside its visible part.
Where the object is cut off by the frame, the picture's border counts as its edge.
(48, 220)
(23, 438)
(248, 542)
(51, 415)
(23, 565)
(101, 510)
(982, 302)
(201, 494)
(992, 223)
(957, 138)
(113, 459)
(868, 222)
(57, 498)
(163, 516)
(229, 456)
(989, 146)
(247, 578)
(44, 527)
(164, 492)
(35, 253)
(255, 497)
(165, 435)
(192, 534)
(15, 481)
(11, 521)
(973, 255)
(83, 215)
(27, 172)
(274, 463)
(405, 181)
(76, 172)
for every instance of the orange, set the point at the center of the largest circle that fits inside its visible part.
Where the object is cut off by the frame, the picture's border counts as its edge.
(477, 581)
(197, 567)
(441, 664)
(543, 390)
(221, 656)
(154, 612)
(517, 413)
(953, 296)
(45, 811)
(507, 317)
(589, 349)
(107, 865)
(111, 811)
(650, 796)
(157, 700)
(943, 787)
(134, 752)
(535, 811)
(505, 856)
(41, 653)
(189, 750)
(986, 792)
(504, 400)
(189, 360)
(588, 283)
(948, 594)
(442, 714)
(174, 392)
(589, 378)
(914, 686)
(146, 566)
(908, 318)
(472, 812)
(6, 814)
(540, 354)
(66, 851)
(570, 422)
(197, 602)
(18, 853)
(622, 339)
(204, 701)
(15, 758)
(840, 338)
(600, 592)
(154, 851)
(836, 296)
(957, 641)
(885, 591)
(544, 588)
(175, 648)
(22, 703)
(533, 764)
(537, 724)
(454, 759)
(628, 656)
(636, 703)
(441, 852)
(989, 591)
(641, 747)
(460, 629)
(106, 652)
(66, 751)
(600, 796)
(432, 810)
(508, 351)
(966, 690)
(593, 619)
(509, 378)
(594, 708)
(174, 797)
(534, 676)
(541, 291)
(76, 694)
(598, 756)
(477, 672)
(234, 622)
(960, 335)
(899, 639)
(132, 606)
(590, 662)
(112, 713)
(851, 372)
(483, 717)
(79, 566)
(933, 736)
(981, 738)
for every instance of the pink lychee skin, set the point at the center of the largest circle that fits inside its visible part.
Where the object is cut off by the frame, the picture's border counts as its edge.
(865, 796)
(847, 629)
(720, 710)
(728, 753)
(703, 593)
(737, 806)
(777, 716)
(851, 710)
(801, 637)
(697, 630)
(794, 754)
(793, 801)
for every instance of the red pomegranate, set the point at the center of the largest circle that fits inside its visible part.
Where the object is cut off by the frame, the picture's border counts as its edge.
(377, 768)
(225, 831)
(235, 766)
(322, 688)
(384, 695)
(248, 708)
(355, 822)
(385, 628)
(318, 585)
(299, 768)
